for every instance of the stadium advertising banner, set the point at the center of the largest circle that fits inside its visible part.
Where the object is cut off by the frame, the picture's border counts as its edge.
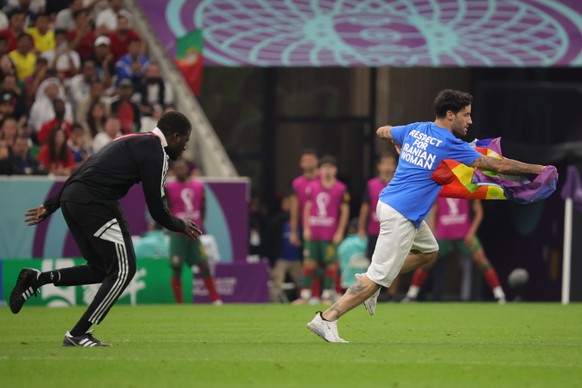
(236, 283)
(226, 218)
(402, 33)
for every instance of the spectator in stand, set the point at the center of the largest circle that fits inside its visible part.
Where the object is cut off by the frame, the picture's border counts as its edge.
(5, 166)
(21, 161)
(80, 85)
(32, 82)
(10, 84)
(110, 132)
(153, 90)
(63, 59)
(105, 66)
(78, 145)
(4, 48)
(3, 21)
(6, 65)
(106, 21)
(126, 110)
(42, 35)
(15, 28)
(58, 122)
(121, 38)
(95, 120)
(9, 131)
(43, 110)
(95, 95)
(23, 57)
(34, 6)
(132, 65)
(55, 155)
(24, 6)
(7, 103)
(65, 19)
(148, 123)
(82, 38)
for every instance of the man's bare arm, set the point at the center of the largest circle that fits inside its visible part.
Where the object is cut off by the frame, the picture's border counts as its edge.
(385, 133)
(506, 166)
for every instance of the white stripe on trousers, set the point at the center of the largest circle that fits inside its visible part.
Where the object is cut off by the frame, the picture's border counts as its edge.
(117, 288)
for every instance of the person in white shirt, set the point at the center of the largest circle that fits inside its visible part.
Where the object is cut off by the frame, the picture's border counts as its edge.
(106, 21)
(80, 84)
(111, 131)
(42, 110)
(65, 19)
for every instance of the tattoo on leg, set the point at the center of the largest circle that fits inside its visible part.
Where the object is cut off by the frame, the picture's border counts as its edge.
(356, 288)
(336, 310)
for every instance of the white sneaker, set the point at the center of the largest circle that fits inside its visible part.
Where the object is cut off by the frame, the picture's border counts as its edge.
(325, 329)
(218, 302)
(370, 303)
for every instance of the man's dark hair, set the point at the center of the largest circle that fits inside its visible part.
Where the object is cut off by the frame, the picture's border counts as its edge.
(453, 100)
(174, 121)
(309, 151)
(328, 159)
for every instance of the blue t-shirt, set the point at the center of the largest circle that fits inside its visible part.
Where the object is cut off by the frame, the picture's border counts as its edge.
(412, 191)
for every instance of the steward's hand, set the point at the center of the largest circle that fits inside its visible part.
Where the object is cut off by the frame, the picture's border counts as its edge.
(35, 215)
(192, 230)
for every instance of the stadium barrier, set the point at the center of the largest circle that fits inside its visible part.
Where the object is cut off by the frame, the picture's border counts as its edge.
(238, 282)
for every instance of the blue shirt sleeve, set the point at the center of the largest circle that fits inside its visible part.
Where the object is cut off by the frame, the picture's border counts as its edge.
(400, 131)
(462, 152)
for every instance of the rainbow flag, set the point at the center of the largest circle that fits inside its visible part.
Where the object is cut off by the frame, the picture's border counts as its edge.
(461, 181)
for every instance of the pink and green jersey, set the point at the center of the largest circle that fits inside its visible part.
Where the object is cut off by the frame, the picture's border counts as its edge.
(371, 196)
(453, 218)
(185, 199)
(299, 188)
(325, 209)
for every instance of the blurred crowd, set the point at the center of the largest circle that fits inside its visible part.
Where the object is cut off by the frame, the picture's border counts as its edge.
(73, 76)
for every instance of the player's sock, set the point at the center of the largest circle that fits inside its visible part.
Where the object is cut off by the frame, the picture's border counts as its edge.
(307, 279)
(418, 279)
(492, 280)
(211, 287)
(490, 276)
(81, 327)
(47, 277)
(177, 290)
(329, 279)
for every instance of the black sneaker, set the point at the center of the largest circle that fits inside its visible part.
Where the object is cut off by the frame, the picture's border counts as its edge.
(23, 289)
(86, 340)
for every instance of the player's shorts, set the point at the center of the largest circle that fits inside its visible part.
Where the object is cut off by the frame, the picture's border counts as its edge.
(324, 252)
(185, 251)
(398, 236)
(446, 246)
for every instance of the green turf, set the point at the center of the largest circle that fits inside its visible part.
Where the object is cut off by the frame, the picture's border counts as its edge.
(414, 345)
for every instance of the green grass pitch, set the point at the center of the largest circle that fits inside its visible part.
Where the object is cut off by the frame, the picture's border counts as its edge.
(403, 345)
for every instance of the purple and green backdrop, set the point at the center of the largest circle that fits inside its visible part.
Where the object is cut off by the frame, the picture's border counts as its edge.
(516, 33)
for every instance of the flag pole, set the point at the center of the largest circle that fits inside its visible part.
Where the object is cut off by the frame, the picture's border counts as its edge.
(567, 255)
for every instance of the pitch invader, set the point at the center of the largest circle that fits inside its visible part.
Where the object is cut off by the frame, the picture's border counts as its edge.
(324, 222)
(187, 200)
(454, 228)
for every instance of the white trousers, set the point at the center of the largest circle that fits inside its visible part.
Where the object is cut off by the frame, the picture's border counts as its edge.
(398, 236)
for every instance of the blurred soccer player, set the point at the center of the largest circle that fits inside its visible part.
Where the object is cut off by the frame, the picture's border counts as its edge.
(308, 163)
(186, 200)
(405, 241)
(454, 228)
(324, 222)
(368, 221)
(89, 204)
